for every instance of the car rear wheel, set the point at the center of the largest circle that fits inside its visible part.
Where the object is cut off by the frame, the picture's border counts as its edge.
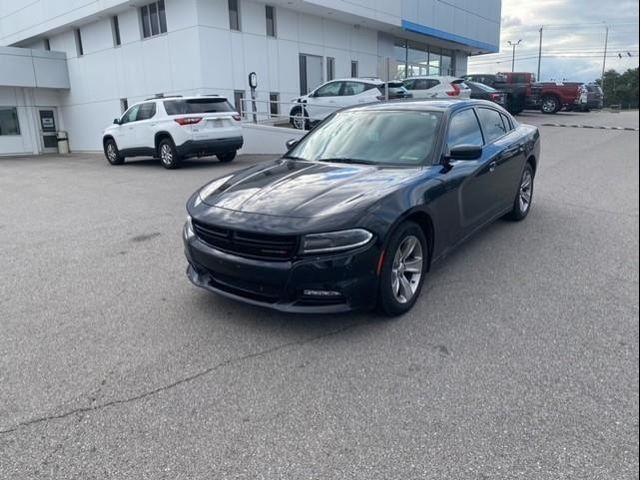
(168, 154)
(404, 269)
(226, 157)
(112, 153)
(550, 105)
(524, 197)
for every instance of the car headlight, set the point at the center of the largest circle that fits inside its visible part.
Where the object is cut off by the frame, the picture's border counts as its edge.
(188, 229)
(335, 241)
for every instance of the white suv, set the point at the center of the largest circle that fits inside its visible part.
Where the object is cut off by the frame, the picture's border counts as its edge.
(331, 96)
(173, 128)
(437, 87)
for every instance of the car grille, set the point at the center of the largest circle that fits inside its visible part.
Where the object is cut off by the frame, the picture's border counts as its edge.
(245, 244)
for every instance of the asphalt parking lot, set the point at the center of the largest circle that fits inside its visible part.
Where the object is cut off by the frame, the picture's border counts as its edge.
(520, 359)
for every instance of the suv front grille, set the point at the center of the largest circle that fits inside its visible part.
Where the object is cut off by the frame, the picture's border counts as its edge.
(245, 244)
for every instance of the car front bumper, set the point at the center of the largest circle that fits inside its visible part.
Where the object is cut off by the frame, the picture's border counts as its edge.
(297, 286)
(203, 148)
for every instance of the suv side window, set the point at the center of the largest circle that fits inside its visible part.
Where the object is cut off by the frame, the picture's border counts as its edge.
(130, 115)
(329, 90)
(352, 88)
(147, 111)
(492, 124)
(464, 129)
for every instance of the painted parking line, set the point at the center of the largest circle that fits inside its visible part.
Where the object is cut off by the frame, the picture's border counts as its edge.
(595, 127)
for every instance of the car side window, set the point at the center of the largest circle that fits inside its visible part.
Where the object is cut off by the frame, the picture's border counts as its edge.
(147, 111)
(507, 122)
(492, 124)
(352, 88)
(130, 115)
(464, 129)
(329, 90)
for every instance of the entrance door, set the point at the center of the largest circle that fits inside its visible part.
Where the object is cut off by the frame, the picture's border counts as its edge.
(48, 130)
(310, 73)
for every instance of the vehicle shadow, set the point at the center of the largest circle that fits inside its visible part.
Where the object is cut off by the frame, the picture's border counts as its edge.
(196, 163)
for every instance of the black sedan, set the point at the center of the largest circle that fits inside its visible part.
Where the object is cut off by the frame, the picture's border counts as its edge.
(480, 91)
(358, 211)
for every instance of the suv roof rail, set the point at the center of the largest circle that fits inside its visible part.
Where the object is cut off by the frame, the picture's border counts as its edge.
(158, 96)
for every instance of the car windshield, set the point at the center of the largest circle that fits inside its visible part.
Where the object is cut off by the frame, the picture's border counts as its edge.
(403, 138)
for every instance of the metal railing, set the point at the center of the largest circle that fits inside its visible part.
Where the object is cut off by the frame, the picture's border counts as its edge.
(267, 112)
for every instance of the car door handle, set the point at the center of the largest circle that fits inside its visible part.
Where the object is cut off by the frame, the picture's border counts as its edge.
(492, 167)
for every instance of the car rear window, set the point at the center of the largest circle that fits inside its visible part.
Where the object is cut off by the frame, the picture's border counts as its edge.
(197, 105)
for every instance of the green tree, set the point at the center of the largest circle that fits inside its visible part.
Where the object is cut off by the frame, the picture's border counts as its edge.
(621, 89)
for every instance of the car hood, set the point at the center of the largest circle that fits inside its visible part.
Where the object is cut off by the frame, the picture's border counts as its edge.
(304, 189)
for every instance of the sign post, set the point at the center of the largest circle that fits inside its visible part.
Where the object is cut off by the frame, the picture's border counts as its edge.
(253, 84)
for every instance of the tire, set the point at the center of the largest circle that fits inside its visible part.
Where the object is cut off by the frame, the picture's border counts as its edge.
(393, 293)
(112, 153)
(299, 118)
(226, 157)
(168, 154)
(524, 196)
(550, 105)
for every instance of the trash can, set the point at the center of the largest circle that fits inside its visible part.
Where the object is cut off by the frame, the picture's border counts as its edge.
(63, 142)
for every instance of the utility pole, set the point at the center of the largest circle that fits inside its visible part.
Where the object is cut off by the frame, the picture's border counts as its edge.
(540, 53)
(513, 61)
(604, 59)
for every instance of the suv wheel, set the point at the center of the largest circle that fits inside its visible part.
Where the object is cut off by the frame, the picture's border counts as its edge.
(112, 153)
(168, 154)
(226, 157)
(550, 105)
(299, 119)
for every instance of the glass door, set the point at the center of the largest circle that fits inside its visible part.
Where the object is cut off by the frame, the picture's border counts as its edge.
(48, 130)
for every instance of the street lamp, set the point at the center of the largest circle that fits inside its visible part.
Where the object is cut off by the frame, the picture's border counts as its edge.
(513, 60)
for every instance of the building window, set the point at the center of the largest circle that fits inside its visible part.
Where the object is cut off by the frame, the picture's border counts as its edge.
(238, 100)
(274, 104)
(331, 68)
(9, 124)
(234, 15)
(354, 69)
(271, 21)
(79, 48)
(115, 29)
(124, 105)
(154, 19)
(47, 44)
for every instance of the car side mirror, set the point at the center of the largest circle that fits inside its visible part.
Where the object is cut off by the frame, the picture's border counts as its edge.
(465, 152)
(291, 143)
(116, 121)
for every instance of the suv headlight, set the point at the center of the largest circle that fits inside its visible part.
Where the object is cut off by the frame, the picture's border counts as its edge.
(335, 241)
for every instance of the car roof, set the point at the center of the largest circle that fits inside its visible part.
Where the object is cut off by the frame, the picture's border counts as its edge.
(426, 105)
(371, 80)
(180, 97)
(433, 77)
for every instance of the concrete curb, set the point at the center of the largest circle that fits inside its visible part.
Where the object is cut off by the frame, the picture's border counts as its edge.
(600, 127)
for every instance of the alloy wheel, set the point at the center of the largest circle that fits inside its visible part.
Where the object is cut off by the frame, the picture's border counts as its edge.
(111, 152)
(406, 270)
(549, 105)
(299, 120)
(166, 155)
(526, 190)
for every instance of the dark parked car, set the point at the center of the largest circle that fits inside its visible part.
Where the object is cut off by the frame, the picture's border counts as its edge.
(480, 91)
(358, 211)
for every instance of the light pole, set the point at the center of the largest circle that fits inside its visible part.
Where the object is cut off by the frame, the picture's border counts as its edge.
(540, 54)
(513, 61)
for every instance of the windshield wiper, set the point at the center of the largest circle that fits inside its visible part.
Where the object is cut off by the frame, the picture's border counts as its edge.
(347, 160)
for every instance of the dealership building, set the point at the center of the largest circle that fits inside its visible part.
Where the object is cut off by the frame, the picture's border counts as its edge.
(74, 65)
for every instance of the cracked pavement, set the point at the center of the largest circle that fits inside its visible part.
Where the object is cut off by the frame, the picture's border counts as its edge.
(520, 359)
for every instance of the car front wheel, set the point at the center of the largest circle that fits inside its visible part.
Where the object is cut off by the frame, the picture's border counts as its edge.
(112, 153)
(404, 269)
(299, 119)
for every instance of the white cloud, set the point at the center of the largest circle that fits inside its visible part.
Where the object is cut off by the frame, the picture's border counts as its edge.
(572, 52)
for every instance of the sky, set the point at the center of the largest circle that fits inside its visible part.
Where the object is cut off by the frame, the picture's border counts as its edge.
(573, 38)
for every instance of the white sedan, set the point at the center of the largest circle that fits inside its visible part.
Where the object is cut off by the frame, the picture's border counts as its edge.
(437, 87)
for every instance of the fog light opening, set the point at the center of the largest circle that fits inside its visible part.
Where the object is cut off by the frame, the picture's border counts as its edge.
(321, 293)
